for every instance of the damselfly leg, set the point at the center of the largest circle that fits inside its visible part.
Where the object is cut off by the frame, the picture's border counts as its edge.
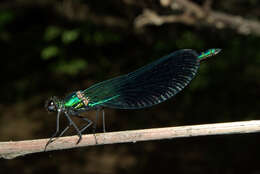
(86, 126)
(56, 132)
(80, 130)
(75, 127)
(104, 121)
(71, 123)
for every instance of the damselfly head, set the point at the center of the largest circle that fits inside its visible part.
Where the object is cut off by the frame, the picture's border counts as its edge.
(51, 105)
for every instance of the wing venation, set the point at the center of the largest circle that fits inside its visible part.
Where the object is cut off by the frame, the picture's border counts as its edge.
(148, 85)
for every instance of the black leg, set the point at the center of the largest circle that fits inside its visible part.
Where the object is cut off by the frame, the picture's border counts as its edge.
(64, 130)
(104, 121)
(75, 126)
(89, 124)
(56, 132)
(87, 120)
(81, 130)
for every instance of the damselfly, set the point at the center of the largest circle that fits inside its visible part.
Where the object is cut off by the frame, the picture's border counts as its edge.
(145, 87)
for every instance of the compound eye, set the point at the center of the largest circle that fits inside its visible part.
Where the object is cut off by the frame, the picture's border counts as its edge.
(51, 106)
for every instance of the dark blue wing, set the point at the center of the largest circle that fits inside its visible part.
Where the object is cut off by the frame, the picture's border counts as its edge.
(148, 85)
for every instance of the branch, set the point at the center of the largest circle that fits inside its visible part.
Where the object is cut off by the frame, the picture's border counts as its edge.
(10, 150)
(74, 10)
(150, 17)
(193, 14)
(69, 9)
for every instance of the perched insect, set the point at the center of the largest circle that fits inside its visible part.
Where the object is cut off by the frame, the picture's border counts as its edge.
(145, 87)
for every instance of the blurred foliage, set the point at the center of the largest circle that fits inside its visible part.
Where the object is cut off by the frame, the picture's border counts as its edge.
(100, 38)
(5, 18)
(72, 67)
(50, 52)
(51, 33)
(69, 36)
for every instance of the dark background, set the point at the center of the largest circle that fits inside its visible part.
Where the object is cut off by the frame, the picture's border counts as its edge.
(56, 47)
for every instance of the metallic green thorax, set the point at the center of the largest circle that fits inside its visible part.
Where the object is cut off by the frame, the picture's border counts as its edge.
(77, 103)
(208, 53)
(73, 101)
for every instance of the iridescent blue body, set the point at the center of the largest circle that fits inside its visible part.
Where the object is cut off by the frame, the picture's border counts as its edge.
(145, 87)
(209, 53)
